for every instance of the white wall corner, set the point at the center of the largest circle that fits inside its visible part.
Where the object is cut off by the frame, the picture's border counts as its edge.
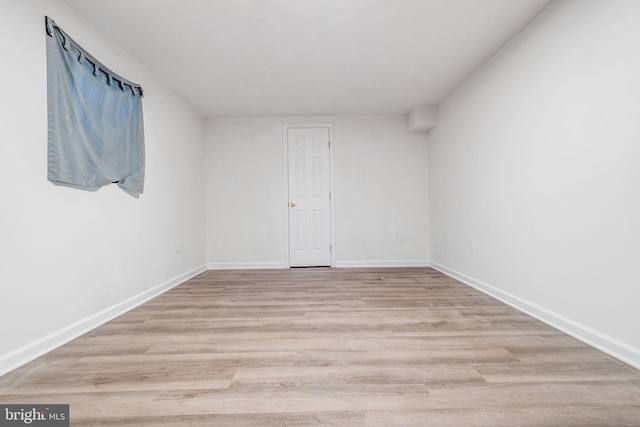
(422, 119)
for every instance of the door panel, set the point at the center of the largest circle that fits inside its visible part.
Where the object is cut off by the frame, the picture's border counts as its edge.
(309, 198)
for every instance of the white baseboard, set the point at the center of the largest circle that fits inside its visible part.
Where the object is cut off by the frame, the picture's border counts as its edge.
(245, 265)
(383, 263)
(605, 343)
(41, 346)
(339, 264)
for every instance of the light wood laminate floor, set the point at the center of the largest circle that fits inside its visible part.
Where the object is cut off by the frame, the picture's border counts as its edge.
(316, 347)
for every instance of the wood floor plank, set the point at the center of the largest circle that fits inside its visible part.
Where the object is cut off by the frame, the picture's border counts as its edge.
(513, 417)
(317, 419)
(324, 347)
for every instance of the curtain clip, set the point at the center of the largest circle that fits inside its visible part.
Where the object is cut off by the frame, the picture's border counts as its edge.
(47, 25)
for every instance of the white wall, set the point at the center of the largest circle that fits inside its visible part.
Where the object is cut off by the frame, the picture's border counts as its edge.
(537, 156)
(71, 258)
(380, 177)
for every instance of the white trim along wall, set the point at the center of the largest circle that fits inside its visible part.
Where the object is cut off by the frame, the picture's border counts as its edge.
(73, 259)
(379, 197)
(594, 338)
(533, 174)
(30, 351)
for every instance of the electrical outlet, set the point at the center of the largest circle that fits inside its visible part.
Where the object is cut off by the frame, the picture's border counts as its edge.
(472, 244)
(263, 238)
(402, 236)
(178, 246)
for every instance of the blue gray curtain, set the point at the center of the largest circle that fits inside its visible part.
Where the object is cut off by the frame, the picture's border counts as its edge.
(95, 127)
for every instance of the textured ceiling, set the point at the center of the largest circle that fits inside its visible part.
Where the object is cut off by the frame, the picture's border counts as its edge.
(307, 57)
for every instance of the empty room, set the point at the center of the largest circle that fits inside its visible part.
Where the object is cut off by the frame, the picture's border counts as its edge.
(320, 212)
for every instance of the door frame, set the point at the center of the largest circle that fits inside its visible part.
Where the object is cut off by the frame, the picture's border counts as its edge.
(285, 204)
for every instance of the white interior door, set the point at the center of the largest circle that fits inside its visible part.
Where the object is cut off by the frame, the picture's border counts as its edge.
(309, 197)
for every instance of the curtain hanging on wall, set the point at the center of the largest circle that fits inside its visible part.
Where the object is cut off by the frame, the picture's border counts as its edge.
(95, 126)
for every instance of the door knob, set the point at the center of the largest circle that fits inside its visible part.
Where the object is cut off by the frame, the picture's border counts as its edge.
(292, 204)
